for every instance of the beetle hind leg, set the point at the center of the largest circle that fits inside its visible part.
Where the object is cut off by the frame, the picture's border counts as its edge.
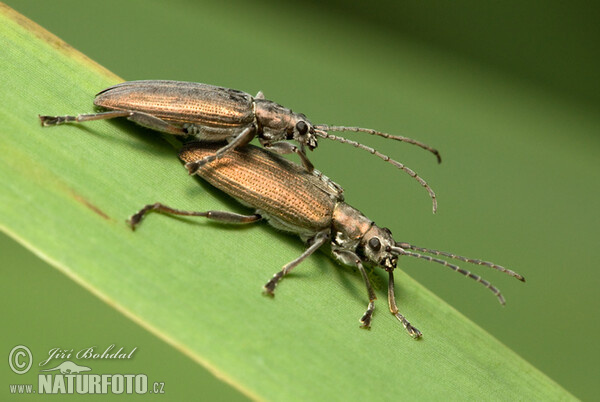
(156, 123)
(221, 216)
(80, 118)
(143, 119)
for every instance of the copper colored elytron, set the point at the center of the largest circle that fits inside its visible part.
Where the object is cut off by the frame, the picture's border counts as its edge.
(182, 104)
(215, 114)
(292, 199)
(282, 191)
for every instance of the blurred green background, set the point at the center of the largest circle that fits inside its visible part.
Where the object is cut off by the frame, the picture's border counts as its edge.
(509, 93)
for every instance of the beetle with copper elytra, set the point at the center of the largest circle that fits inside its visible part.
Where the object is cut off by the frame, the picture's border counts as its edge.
(214, 114)
(296, 201)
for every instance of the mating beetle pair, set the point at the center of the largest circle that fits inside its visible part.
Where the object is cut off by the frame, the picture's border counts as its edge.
(293, 198)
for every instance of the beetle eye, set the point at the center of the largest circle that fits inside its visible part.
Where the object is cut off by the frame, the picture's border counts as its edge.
(375, 244)
(301, 127)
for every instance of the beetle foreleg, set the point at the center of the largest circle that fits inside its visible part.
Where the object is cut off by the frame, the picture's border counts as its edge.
(412, 331)
(366, 318)
(283, 148)
(317, 241)
(241, 139)
(287, 148)
(349, 258)
(221, 216)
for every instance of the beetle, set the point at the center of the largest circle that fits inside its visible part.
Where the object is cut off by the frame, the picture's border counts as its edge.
(214, 114)
(293, 200)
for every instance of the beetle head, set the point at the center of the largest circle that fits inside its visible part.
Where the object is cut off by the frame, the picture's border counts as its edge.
(303, 131)
(376, 246)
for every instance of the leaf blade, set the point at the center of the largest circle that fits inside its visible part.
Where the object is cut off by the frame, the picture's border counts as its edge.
(78, 184)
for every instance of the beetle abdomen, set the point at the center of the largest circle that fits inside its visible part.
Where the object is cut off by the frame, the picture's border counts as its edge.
(181, 102)
(263, 180)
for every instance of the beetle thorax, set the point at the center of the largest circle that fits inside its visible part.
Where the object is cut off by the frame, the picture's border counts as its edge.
(352, 231)
(274, 119)
(349, 226)
(278, 123)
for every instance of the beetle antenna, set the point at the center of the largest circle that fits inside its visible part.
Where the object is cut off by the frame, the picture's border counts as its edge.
(324, 134)
(401, 251)
(325, 127)
(461, 258)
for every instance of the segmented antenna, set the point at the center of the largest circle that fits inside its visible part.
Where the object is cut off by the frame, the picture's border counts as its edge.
(461, 258)
(456, 268)
(324, 134)
(325, 127)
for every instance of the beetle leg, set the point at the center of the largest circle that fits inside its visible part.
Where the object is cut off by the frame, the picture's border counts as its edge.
(337, 189)
(288, 148)
(56, 120)
(283, 148)
(241, 139)
(412, 331)
(366, 318)
(143, 119)
(351, 259)
(316, 242)
(221, 216)
(156, 123)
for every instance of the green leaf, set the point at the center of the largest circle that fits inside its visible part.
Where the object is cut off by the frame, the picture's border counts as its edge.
(67, 191)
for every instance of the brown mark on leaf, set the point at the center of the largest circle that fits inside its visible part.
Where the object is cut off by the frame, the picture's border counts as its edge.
(90, 206)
